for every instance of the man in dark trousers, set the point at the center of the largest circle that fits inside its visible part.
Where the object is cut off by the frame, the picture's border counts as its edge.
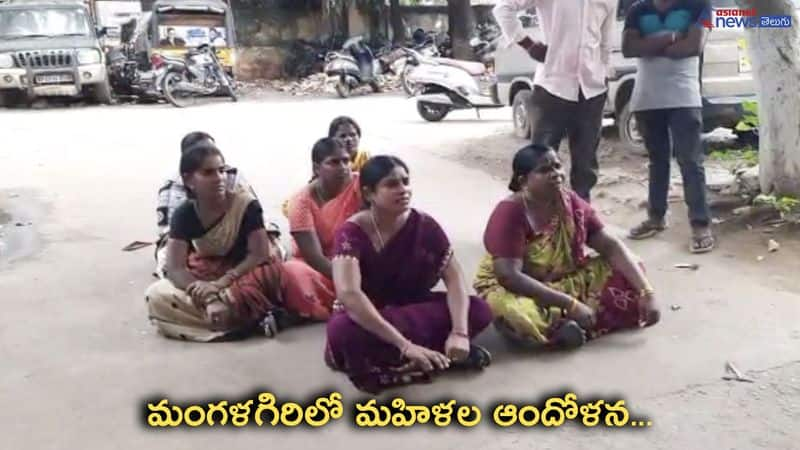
(668, 38)
(570, 82)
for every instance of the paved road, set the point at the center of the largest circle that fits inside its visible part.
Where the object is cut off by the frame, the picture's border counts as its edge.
(78, 357)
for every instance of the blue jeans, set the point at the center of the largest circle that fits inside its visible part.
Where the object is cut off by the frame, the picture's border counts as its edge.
(669, 132)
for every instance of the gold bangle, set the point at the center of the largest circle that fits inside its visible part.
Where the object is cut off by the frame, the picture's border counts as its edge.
(572, 305)
(646, 291)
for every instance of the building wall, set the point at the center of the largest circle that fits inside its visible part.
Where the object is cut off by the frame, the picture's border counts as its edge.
(265, 30)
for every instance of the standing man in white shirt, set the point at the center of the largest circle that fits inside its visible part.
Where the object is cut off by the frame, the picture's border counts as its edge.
(570, 82)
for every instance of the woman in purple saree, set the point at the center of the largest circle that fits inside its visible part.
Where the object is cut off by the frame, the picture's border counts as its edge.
(391, 328)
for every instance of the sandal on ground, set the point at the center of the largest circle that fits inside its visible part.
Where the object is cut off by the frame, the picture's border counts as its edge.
(569, 336)
(653, 317)
(702, 241)
(478, 359)
(647, 229)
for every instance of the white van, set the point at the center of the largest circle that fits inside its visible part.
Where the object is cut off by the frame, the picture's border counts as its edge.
(726, 77)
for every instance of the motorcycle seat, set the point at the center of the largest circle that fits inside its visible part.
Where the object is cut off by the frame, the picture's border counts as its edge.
(473, 68)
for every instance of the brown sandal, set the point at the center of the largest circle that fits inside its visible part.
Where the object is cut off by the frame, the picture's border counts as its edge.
(702, 241)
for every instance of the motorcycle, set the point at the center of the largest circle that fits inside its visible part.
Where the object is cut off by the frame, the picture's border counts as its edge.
(124, 69)
(353, 66)
(444, 85)
(485, 42)
(128, 81)
(198, 74)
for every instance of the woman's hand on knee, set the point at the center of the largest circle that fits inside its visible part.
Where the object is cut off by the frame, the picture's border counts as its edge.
(200, 291)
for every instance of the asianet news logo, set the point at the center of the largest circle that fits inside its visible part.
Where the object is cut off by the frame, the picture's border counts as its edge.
(742, 18)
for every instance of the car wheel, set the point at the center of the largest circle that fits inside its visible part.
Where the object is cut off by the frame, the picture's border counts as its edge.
(519, 111)
(102, 93)
(629, 133)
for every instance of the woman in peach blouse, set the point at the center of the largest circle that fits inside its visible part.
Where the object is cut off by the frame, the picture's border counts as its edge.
(315, 212)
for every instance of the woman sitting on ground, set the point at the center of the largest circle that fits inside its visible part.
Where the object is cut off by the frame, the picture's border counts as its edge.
(393, 329)
(314, 214)
(538, 279)
(347, 131)
(223, 274)
(173, 193)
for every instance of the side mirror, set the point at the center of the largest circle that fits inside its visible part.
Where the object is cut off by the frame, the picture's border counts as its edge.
(101, 31)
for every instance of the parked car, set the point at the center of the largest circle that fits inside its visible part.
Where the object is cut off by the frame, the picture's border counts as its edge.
(727, 80)
(50, 48)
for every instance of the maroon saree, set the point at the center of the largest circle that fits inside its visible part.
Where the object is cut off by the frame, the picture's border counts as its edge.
(399, 281)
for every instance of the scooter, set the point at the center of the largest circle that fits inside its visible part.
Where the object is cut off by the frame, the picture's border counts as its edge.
(410, 59)
(443, 85)
(353, 67)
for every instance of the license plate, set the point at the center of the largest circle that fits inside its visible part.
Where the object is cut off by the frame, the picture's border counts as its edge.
(53, 79)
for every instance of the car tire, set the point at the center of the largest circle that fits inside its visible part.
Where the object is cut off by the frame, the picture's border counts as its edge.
(102, 93)
(629, 134)
(519, 114)
(12, 98)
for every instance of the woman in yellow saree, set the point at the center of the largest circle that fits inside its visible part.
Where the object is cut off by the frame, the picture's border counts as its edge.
(542, 286)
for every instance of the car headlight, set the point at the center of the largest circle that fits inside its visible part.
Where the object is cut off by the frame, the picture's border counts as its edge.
(6, 61)
(89, 56)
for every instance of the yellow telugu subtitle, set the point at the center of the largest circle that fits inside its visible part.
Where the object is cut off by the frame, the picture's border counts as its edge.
(264, 410)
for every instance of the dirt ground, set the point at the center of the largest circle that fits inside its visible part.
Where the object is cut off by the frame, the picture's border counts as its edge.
(79, 358)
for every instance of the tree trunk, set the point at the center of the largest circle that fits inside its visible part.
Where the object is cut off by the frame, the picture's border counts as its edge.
(396, 18)
(461, 23)
(775, 56)
(338, 14)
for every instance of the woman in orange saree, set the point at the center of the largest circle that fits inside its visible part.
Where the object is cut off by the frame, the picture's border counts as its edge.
(315, 212)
